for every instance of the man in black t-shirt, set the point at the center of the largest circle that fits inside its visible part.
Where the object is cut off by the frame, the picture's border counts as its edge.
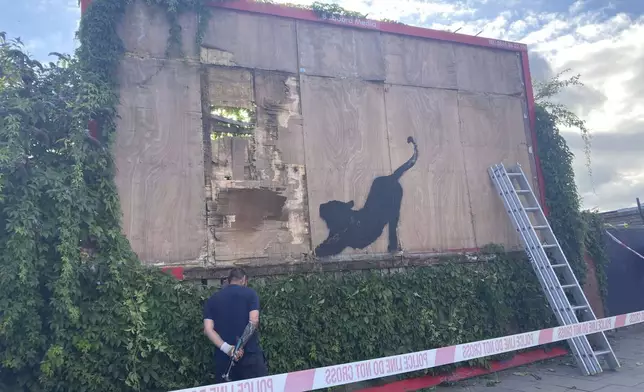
(230, 314)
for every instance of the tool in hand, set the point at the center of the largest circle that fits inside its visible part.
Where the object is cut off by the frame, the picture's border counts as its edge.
(241, 342)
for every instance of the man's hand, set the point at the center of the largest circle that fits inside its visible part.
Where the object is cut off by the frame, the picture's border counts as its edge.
(229, 350)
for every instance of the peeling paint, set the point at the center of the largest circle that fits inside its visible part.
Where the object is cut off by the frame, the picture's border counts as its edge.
(293, 106)
(264, 214)
(217, 57)
(297, 224)
(228, 221)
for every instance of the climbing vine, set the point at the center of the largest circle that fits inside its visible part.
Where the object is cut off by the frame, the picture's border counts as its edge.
(578, 232)
(595, 244)
(79, 312)
(561, 194)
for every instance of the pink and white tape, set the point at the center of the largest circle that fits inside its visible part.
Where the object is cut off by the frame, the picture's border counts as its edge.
(348, 373)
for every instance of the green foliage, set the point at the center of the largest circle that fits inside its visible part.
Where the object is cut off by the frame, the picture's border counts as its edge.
(578, 232)
(79, 312)
(319, 320)
(326, 10)
(561, 194)
(595, 245)
(563, 116)
(329, 10)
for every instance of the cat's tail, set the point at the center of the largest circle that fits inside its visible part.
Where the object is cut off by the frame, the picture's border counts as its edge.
(410, 163)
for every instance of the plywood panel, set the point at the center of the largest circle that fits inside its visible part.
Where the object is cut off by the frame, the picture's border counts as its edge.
(436, 209)
(492, 132)
(333, 51)
(231, 87)
(145, 30)
(419, 62)
(345, 144)
(491, 222)
(488, 70)
(492, 120)
(250, 40)
(159, 160)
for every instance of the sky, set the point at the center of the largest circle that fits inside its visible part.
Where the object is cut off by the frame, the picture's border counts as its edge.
(599, 39)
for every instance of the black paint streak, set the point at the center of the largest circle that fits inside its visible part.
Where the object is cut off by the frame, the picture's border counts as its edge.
(360, 228)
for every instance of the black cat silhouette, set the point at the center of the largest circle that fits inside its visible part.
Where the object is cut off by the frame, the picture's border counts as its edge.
(359, 228)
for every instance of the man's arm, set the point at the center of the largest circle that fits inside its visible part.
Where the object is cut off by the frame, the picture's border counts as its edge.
(209, 330)
(253, 319)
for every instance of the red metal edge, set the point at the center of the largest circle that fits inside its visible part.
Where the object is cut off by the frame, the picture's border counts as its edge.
(463, 373)
(83, 5)
(369, 24)
(177, 272)
(527, 79)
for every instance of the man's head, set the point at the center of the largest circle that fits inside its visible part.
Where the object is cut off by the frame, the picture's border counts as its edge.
(238, 276)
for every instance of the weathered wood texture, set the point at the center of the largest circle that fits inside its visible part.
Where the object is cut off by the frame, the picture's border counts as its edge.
(258, 182)
(145, 31)
(345, 140)
(251, 41)
(492, 132)
(362, 94)
(435, 213)
(333, 51)
(419, 62)
(158, 156)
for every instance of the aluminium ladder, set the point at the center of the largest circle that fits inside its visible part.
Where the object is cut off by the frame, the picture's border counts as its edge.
(553, 270)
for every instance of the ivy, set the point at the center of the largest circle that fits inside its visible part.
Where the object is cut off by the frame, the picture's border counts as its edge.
(78, 311)
(561, 194)
(578, 232)
(595, 245)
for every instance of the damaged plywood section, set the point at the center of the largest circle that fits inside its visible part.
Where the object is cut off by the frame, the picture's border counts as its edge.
(258, 208)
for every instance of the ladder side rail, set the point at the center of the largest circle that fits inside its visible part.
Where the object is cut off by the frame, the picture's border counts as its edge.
(534, 249)
(559, 302)
(555, 303)
(579, 295)
(593, 364)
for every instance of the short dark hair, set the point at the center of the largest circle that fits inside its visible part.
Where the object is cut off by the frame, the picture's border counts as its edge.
(236, 274)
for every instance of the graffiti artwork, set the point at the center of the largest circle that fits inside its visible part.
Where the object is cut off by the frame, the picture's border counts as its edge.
(358, 229)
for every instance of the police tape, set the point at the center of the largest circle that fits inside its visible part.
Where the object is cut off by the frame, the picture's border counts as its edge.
(349, 373)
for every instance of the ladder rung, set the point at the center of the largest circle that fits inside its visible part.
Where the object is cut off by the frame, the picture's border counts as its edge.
(518, 211)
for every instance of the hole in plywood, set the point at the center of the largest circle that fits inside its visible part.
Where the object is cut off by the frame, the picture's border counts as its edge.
(231, 121)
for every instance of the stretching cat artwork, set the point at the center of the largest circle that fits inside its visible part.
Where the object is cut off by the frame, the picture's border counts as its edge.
(358, 229)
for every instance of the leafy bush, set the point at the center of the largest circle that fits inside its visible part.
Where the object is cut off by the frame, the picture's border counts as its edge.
(79, 313)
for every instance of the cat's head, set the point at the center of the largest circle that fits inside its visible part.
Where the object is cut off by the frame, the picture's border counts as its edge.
(335, 212)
